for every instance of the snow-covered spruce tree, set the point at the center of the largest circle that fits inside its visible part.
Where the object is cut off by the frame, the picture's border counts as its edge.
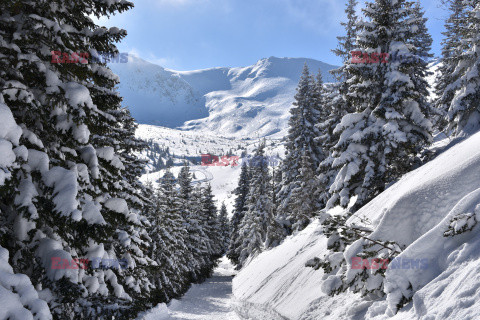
(339, 277)
(422, 42)
(211, 224)
(303, 208)
(254, 224)
(346, 43)
(335, 103)
(131, 146)
(224, 224)
(239, 209)
(464, 110)
(380, 140)
(74, 195)
(276, 230)
(421, 48)
(452, 47)
(168, 235)
(196, 241)
(333, 109)
(205, 248)
(301, 139)
(190, 222)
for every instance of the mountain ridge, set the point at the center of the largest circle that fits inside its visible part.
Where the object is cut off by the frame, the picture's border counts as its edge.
(236, 102)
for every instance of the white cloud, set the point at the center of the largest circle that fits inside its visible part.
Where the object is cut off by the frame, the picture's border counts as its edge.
(320, 15)
(165, 62)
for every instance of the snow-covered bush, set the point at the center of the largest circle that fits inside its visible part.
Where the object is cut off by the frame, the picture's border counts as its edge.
(461, 223)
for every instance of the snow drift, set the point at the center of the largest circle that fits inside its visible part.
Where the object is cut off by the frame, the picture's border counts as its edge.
(424, 213)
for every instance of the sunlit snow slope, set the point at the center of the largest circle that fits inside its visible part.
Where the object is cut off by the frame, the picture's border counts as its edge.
(415, 212)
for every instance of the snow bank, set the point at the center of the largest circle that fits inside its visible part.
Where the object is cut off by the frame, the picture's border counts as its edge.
(423, 213)
(278, 279)
(442, 253)
(422, 198)
(160, 312)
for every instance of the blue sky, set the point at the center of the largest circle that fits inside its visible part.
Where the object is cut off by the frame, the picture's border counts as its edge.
(196, 34)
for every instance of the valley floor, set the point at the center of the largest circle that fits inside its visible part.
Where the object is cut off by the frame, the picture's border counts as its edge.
(211, 300)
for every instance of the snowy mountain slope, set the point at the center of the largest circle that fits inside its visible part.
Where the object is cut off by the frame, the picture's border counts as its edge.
(156, 95)
(191, 145)
(222, 179)
(415, 212)
(235, 102)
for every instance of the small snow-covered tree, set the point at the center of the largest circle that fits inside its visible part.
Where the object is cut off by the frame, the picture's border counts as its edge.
(224, 224)
(422, 41)
(276, 230)
(203, 249)
(333, 109)
(421, 46)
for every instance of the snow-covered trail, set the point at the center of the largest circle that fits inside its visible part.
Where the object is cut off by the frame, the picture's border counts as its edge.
(210, 300)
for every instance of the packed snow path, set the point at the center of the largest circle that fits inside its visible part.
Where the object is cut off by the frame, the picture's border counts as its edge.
(210, 300)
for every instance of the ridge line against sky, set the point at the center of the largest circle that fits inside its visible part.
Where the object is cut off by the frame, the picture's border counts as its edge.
(199, 34)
